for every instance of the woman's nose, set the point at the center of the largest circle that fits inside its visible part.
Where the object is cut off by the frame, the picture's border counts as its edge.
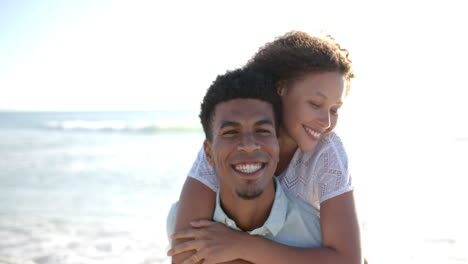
(325, 119)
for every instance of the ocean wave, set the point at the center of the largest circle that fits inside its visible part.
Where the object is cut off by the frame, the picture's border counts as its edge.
(124, 126)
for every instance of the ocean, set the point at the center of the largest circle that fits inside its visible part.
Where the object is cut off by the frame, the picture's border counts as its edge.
(95, 187)
(91, 187)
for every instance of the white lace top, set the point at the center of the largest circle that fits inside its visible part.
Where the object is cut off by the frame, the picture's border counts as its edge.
(311, 176)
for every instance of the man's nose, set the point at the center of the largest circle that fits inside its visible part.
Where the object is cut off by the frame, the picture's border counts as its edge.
(248, 143)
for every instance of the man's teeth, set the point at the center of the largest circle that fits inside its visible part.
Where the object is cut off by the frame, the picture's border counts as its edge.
(248, 168)
(313, 133)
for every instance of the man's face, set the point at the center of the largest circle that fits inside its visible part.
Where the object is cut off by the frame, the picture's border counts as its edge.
(244, 147)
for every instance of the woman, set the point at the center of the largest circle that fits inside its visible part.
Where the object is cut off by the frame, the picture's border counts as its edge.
(312, 75)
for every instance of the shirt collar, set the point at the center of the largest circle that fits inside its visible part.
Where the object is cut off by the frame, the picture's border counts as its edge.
(274, 222)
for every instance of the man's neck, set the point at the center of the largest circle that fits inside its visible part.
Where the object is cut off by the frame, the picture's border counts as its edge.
(249, 214)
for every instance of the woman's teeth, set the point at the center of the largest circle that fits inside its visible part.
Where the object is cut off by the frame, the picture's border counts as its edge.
(311, 132)
(248, 168)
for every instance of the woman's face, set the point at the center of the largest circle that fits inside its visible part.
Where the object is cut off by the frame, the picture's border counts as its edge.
(310, 107)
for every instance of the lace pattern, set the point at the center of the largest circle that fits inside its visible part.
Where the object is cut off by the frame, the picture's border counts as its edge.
(311, 176)
(204, 172)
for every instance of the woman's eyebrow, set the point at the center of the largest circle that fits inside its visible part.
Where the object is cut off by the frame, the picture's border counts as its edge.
(318, 93)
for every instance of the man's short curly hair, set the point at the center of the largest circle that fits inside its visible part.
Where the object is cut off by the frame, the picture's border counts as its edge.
(297, 53)
(240, 83)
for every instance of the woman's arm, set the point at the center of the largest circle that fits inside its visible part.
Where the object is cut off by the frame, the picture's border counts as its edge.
(340, 240)
(340, 227)
(211, 242)
(196, 201)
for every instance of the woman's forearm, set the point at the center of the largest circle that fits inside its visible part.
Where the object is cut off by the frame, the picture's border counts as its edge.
(340, 239)
(263, 251)
(196, 201)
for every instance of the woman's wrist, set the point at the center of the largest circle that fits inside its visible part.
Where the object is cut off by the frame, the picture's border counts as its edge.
(251, 247)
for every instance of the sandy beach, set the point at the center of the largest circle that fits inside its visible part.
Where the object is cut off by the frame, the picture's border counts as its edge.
(59, 241)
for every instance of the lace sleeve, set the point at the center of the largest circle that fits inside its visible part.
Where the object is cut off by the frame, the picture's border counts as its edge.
(202, 171)
(333, 176)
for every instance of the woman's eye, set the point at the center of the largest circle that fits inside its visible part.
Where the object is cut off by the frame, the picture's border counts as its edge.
(314, 104)
(334, 111)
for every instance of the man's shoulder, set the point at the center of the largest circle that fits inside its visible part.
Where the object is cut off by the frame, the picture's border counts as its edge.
(301, 224)
(295, 204)
(296, 208)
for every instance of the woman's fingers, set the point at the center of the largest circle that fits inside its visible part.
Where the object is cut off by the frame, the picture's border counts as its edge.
(212, 242)
(186, 234)
(196, 258)
(182, 247)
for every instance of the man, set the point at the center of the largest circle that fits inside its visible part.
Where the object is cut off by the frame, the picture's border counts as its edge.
(241, 116)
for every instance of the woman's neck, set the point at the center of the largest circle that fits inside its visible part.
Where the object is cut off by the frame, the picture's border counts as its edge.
(287, 149)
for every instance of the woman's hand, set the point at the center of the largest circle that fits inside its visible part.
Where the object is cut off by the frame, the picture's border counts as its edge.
(213, 242)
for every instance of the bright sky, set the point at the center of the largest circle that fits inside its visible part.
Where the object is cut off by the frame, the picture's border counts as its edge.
(409, 56)
(136, 55)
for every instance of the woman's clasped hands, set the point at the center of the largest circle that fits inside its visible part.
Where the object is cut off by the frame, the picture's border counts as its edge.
(212, 241)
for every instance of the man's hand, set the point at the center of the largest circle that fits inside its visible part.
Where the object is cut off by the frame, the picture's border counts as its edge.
(213, 242)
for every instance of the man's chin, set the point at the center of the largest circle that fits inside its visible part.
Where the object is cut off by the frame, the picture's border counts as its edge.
(249, 194)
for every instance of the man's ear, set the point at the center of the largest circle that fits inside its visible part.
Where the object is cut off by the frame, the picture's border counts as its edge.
(208, 153)
(281, 87)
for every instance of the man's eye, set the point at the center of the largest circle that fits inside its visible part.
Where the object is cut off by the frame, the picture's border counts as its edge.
(230, 132)
(263, 131)
(334, 111)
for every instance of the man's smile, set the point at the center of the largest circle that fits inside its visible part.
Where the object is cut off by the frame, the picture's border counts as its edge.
(249, 169)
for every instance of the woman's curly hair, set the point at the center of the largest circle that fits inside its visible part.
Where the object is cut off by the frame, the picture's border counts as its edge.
(295, 54)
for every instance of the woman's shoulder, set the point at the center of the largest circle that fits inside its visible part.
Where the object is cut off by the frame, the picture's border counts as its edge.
(202, 171)
(332, 140)
(327, 167)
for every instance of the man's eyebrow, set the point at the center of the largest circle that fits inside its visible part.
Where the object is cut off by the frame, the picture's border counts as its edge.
(229, 124)
(225, 124)
(264, 122)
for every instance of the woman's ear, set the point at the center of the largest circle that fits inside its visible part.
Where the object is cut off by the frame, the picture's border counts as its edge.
(208, 153)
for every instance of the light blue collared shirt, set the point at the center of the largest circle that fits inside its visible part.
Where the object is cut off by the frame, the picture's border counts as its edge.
(291, 221)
